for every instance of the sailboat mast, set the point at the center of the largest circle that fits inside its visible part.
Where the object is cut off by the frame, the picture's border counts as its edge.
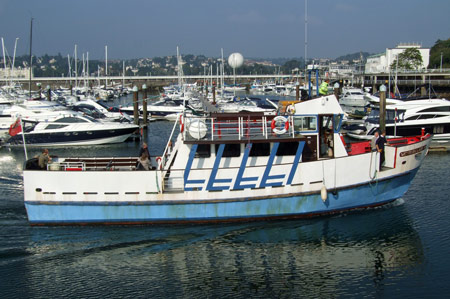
(106, 66)
(70, 69)
(87, 68)
(306, 37)
(76, 68)
(223, 72)
(4, 56)
(14, 57)
(31, 57)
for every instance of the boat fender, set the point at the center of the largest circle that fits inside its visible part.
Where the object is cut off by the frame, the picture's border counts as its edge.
(279, 119)
(324, 193)
(290, 109)
(158, 160)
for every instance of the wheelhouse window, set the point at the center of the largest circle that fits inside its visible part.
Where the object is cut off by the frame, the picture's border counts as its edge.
(337, 122)
(305, 123)
(230, 150)
(287, 149)
(203, 151)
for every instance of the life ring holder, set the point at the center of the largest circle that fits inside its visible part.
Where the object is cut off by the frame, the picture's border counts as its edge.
(181, 123)
(159, 161)
(279, 119)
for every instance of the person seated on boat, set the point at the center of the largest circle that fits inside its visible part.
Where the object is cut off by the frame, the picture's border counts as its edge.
(373, 142)
(143, 162)
(44, 159)
(381, 141)
(144, 148)
(323, 89)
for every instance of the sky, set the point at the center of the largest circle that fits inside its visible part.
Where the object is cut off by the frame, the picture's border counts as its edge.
(258, 29)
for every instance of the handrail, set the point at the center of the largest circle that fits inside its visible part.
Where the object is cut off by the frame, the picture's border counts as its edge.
(239, 128)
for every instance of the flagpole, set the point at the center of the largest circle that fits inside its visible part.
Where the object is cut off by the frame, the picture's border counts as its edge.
(23, 138)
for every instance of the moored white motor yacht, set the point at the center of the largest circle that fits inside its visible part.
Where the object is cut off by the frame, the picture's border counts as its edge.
(409, 118)
(70, 129)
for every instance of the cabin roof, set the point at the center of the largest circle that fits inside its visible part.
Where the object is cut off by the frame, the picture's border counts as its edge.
(322, 105)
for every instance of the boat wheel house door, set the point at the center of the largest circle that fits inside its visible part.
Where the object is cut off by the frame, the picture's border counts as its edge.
(326, 136)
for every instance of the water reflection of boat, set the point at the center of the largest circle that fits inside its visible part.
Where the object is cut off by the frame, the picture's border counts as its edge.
(307, 257)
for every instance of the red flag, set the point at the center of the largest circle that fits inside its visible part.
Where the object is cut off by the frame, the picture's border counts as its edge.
(15, 128)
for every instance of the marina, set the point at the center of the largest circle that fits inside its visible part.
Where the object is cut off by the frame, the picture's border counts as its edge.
(395, 249)
(143, 156)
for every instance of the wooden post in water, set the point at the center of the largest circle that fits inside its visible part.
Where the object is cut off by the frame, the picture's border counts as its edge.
(71, 89)
(382, 108)
(40, 89)
(297, 91)
(144, 103)
(135, 105)
(374, 84)
(49, 93)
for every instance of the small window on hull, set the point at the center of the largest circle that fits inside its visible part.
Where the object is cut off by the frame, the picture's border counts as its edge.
(260, 149)
(203, 151)
(287, 149)
(230, 150)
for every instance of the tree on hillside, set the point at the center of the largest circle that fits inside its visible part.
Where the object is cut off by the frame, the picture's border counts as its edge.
(440, 49)
(290, 65)
(410, 59)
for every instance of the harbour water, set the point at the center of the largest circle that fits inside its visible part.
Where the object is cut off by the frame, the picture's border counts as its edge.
(397, 250)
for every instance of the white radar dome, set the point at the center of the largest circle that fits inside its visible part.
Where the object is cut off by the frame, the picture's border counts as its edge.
(235, 60)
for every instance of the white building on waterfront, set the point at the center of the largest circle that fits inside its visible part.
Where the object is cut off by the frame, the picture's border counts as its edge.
(381, 63)
(16, 73)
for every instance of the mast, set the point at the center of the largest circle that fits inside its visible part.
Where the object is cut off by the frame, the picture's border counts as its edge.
(76, 68)
(106, 66)
(306, 37)
(70, 69)
(4, 56)
(87, 69)
(223, 72)
(31, 57)
(13, 62)
(84, 71)
(14, 57)
(123, 74)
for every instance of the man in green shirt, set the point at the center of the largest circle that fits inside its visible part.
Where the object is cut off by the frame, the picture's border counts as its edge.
(323, 89)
